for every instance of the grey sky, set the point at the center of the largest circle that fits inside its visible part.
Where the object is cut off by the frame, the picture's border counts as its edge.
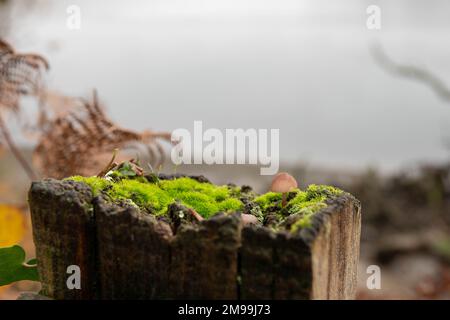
(301, 66)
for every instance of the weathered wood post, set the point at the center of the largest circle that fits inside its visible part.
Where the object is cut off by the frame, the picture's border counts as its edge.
(205, 259)
(64, 234)
(133, 253)
(124, 253)
(320, 262)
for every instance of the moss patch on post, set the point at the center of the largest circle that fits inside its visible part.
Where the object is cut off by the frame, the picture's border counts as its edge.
(155, 195)
(205, 198)
(303, 204)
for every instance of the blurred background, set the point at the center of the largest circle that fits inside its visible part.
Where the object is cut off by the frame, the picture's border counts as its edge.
(366, 110)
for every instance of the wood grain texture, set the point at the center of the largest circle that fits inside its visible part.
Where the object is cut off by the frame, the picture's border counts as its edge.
(335, 249)
(133, 253)
(64, 235)
(256, 263)
(204, 261)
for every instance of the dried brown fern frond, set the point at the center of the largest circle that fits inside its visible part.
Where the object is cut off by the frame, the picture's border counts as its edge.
(80, 142)
(53, 105)
(20, 74)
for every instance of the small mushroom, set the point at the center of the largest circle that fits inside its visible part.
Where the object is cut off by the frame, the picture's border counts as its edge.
(283, 183)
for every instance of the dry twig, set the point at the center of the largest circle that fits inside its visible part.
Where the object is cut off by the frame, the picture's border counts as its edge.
(412, 72)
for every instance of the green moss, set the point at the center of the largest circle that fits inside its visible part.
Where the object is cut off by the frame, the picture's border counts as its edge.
(145, 195)
(307, 203)
(307, 207)
(314, 191)
(313, 195)
(205, 198)
(268, 200)
(208, 199)
(179, 187)
(303, 203)
(230, 204)
(96, 184)
(303, 222)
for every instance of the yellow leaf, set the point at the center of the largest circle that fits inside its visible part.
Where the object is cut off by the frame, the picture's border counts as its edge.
(12, 225)
(3, 288)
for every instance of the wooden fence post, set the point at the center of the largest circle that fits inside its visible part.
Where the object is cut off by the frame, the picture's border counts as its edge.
(124, 253)
(64, 235)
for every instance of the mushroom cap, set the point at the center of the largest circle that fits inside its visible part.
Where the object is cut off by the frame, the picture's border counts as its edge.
(283, 182)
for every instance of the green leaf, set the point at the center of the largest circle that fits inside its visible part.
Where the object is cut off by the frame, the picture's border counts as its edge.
(128, 173)
(127, 170)
(13, 267)
(32, 262)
